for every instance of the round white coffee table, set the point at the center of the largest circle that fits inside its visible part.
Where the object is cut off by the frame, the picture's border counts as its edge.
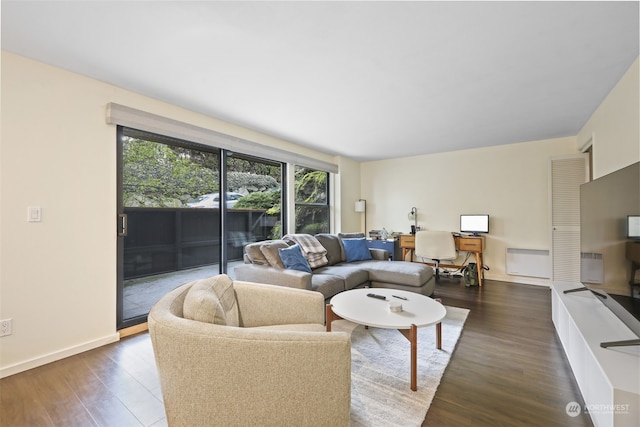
(417, 311)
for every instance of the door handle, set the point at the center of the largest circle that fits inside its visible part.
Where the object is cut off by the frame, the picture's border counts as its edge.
(122, 225)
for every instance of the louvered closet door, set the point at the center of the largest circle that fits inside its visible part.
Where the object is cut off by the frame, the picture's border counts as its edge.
(567, 174)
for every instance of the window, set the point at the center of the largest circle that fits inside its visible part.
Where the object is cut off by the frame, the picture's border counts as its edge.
(312, 200)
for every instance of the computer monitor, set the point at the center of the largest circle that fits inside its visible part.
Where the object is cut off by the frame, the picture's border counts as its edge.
(633, 226)
(474, 223)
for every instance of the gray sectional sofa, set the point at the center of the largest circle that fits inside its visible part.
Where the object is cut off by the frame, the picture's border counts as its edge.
(263, 265)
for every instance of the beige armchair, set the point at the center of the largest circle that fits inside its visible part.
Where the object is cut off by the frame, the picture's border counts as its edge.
(277, 367)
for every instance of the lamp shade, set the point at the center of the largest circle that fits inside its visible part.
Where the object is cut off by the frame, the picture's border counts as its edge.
(361, 206)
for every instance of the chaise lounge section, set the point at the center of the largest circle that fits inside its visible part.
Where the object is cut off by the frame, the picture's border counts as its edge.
(344, 268)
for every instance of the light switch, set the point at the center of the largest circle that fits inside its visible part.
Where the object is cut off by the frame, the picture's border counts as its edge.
(34, 214)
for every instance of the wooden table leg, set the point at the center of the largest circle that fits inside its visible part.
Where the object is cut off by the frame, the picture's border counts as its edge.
(328, 317)
(412, 336)
(413, 333)
(438, 329)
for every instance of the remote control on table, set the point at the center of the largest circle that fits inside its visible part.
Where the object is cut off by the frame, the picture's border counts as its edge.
(377, 296)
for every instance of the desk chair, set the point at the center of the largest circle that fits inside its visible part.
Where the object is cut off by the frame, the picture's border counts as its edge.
(436, 246)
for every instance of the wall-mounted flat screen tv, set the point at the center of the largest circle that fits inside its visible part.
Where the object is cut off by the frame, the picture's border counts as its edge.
(633, 226)
(608, 204)
(474, 223)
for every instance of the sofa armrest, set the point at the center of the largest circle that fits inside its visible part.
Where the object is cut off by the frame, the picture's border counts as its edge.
(273, 276)
(266, 305)
(379, 254)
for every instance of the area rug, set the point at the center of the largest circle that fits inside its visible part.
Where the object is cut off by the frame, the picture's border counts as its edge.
(381, 370)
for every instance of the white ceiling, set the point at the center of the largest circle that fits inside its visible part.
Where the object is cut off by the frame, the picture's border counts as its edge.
(365, 80)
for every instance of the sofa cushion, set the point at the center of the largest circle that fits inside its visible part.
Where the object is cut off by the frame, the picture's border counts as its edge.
(352, 274)
(293, 259)
(212, 300)
(255, 255)
(356, 250)
(327, 284)
(271, 251)
(333, 245)
(401, 272)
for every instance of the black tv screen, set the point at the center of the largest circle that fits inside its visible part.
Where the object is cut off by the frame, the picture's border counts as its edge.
(474, 223)
(606, 204)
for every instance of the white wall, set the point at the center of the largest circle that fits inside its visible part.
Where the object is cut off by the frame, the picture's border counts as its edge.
(58, 277)
(614, 131)
(348, 191)
(614, 128)
(508, 182)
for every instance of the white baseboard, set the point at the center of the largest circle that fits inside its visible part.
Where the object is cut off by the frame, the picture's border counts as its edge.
(52, 357)
(520, 279)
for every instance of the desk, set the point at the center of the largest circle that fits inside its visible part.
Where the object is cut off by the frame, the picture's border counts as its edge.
(473, 244)
(633, 255)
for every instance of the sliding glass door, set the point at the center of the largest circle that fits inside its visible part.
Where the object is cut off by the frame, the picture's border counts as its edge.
(165, 236)
(258, 214)
(175, 224)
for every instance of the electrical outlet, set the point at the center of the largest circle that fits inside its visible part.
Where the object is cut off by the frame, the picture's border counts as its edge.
(5, 327)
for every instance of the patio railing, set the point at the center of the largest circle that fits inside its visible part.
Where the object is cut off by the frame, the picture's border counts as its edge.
(161, 240)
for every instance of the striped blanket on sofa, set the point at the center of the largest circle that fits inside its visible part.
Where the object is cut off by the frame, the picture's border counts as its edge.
(312, 250)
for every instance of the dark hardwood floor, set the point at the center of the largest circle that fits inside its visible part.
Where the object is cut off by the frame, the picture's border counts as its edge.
(508, 369)
(114, 385)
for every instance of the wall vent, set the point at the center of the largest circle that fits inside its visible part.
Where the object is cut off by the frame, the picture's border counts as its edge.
(528, 262)
(591, 267)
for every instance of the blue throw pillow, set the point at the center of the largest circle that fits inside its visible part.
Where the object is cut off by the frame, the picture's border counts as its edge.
(356, 249)
(293, 259)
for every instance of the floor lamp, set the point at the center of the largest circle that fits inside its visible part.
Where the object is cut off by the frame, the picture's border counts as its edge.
(361, 206)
